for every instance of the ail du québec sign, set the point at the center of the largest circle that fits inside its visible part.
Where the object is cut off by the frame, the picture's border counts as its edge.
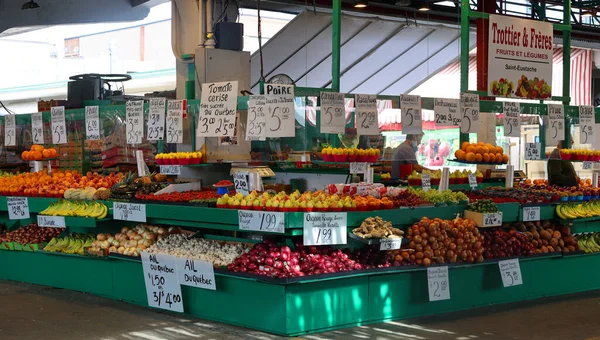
(520, 58)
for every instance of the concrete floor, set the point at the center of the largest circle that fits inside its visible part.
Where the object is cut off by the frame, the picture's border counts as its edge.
(42, 313)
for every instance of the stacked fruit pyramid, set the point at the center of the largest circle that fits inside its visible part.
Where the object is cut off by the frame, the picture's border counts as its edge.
(481, 153)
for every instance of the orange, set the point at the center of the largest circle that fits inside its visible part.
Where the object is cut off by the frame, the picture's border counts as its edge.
(492, 158)
(36, 147)
(460, 155)
(478, 158)
(471, 149)
(486, 157)
(479, 149)
(490, 146)
(499, 150)
(486, 150)
(499, 158)
(36, 155)
(46, 153)
(25, 155)
(464, 146)
(505, 159)
(470, 157)
(480, 143)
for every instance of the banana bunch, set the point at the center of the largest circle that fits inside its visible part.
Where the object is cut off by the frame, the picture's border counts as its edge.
(589, 242)
(71, 244)
(573, 211)
(76, 208)
(80, 194)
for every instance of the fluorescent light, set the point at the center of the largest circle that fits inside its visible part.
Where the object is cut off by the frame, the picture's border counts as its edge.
(360, 4)
(424, 7)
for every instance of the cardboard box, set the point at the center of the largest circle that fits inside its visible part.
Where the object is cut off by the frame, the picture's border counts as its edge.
(485, 220)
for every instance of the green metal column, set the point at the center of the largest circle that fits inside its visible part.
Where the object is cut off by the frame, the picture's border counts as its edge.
(336, 44)
(567, 67)
(464, 55)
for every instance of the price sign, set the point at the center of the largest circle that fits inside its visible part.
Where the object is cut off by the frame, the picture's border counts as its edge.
(134, 122)
(256, 120)
(280, 111)
(588, 165)
(367, 117)
(533, 151)
(162, 284)
(265, 221)
(469, 108)
(37, 128)
(129, 212)
(587, 122)
(196, 273)
(240, 181)
(92, 123)
(492, 219)
(555, 130)
(59, 128)
(472, 180)
(531, 214)
(333, 113)
(170, 169)
(10, 130)
(411, 114)
(325, 228)
(175, 121)
(446, 112)
(51, 221)
(425, 182)
(390, 244)
(218, 109)
(156, 119)
(18, 208)
(438, 283)
(510, 270)
(512, 119)
(359, 168)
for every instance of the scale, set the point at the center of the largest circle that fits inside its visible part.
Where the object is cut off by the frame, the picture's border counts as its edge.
(263, 171)
(501, 174)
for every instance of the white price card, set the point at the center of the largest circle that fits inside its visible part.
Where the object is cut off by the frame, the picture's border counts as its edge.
(587, 122)
(129, 212)
(492, 219)
(51, 221)
(37, 128)
(134, 121)
(512, 119)
(196, 273)
(446, 112)
(162, 283)
(555, 130)
(438, 283)
(533, 151)
(325, 228)
(411, 114)
(59, 127)
(218, 109)
(175, 121)
(531, 214)
(425, 182)
(280, 111)
(390, 244)
(18, 208)
(472, 180)
(10, 130)
(170, 169)
(256, 121)
(241, 182)
(469, 109)
(92, 123)
(510, 270)
(264, 221)
(333, 112)
(588, 165)
(367, 116)
(359, 167)
(156, 119)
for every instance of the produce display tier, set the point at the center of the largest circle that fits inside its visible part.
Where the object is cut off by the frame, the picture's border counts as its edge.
(312, 306)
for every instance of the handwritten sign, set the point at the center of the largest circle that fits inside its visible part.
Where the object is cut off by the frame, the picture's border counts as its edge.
(325, 228)
(533, 151)
(512, 119)
(129, 212)
(161, 281)
(10, 130)
(333, 112)
(426, 182)
(156, 119)
(256, 120)
(218, 109)
(531, 214)
(280, 119)
(240, 181)
(51, 221)
(359, 168)
(92, 122)
(510, 270)
(59, 127)
(472, 180)
(175, 121)
(588, 165)
(196, 273)
(134, 121)
(446, 112)
(367, 117)
(390, 244)
(555, 130)
(263, 221)
(18, 208)
(492, 219)
(170, 169)
(587, 122)
(438, 283)
(411, 114)
(37, 128)
(469, 106)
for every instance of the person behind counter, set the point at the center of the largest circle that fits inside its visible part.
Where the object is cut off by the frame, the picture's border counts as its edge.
(405, 153)
(561, 172)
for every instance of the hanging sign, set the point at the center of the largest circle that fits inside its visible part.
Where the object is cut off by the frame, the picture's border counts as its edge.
(469, 110)
(162, 283)
(333, 113)
(92, 123)
(156, 119)
(510, 270)
(263, 221)
(10, 130)
(367, 118)
(59, 127)
(533, 151)
(195, 273)
(520, 58)
(411, 114)
(555, 130)
(175, 121)
(18, 208)
(37, 128)
(587, 122)
(512, 119)
(134, 121)
(256, 120)
(325, 228)
(280, 111)
(438, 283)
(218, 109)
(446, 112)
